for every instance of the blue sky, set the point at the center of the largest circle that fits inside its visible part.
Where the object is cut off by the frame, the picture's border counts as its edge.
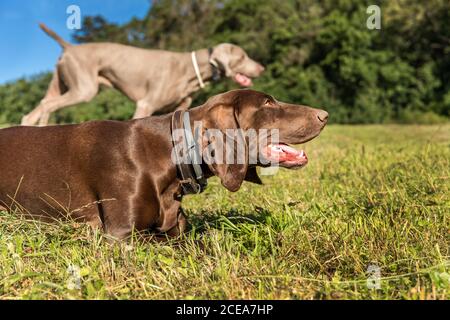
(26, 50)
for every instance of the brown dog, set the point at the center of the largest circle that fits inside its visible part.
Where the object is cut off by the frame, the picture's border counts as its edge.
(156, 80)
(120, 176)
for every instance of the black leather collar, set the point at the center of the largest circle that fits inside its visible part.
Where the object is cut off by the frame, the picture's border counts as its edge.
(217, 72)
(189, 171)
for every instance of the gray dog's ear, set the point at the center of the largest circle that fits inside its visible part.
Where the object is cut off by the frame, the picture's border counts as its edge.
(232, 174)
(221, 55)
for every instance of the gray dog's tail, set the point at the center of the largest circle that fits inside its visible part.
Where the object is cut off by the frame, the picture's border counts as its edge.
(53, 34)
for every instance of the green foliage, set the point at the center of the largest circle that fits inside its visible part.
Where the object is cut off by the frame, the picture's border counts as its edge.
(20, 97)
(317, 52)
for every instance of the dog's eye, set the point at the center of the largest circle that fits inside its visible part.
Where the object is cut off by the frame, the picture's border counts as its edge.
(268, 102)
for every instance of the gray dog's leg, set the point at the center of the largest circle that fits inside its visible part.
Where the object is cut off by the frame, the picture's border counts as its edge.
(142, 109)
(43, 111)
(185, 104)
(81, 84)
(53, 91)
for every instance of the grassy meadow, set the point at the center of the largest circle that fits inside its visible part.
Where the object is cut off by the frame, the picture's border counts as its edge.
(371, 197)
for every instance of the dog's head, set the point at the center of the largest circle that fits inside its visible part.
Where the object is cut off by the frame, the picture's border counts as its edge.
(241, 112)
(235, 63)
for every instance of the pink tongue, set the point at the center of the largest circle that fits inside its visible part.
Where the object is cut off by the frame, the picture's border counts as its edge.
(289, 153)
(243, 80)
(283, 152)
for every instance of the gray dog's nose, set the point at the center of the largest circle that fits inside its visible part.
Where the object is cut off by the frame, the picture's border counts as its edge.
(322, 115)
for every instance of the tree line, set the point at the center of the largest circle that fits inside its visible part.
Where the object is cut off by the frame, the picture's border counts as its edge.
(316, 52)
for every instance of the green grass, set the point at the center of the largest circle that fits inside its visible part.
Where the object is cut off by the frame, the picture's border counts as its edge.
(371, 195)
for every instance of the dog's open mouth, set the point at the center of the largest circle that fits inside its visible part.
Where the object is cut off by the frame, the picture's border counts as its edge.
(243, 80)
(284, 155)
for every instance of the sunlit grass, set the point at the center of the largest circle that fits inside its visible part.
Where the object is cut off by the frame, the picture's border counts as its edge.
(371, 195)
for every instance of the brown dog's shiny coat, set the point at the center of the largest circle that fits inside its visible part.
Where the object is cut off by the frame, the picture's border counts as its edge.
(119, 175)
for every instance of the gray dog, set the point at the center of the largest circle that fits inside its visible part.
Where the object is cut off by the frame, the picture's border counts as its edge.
(156, 80)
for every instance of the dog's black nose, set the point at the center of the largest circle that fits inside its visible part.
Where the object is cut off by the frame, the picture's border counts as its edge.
(322, 115)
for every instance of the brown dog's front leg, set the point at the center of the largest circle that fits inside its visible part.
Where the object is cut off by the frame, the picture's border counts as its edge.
(180, 227)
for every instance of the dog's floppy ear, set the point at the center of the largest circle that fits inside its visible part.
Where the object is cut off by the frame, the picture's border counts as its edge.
(252, 176)
(222, 55)
(231, 174)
